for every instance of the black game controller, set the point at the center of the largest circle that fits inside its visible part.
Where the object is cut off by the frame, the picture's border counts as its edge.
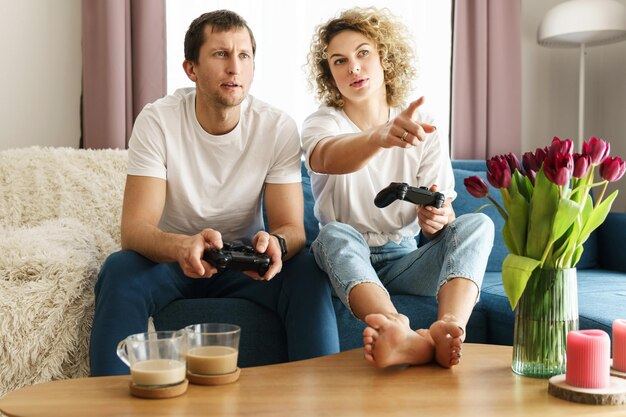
(239, 257)
(402, 191)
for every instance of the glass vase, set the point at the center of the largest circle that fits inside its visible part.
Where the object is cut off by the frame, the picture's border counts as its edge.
(546, 312)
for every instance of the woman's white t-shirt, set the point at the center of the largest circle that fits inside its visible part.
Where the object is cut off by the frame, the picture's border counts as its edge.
(214, 181)
(349, 198)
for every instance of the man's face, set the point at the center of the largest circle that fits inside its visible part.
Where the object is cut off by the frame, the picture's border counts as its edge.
(225, 67)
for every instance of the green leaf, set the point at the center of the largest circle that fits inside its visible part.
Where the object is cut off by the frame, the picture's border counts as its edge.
(587, 209)
(596, 217)
(516, 271)
(518, 221)
(524, 186)
(509, 241)
(566, 215)
(565, 248)
(543, 207)
(578, 252)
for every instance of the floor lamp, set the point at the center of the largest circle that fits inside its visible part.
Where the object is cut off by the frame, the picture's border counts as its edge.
(583, 23)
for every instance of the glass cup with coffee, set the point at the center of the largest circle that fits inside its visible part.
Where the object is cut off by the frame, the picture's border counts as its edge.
(156, 359)
(213, 350)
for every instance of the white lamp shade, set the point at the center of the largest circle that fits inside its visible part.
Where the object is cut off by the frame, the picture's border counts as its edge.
(589, 22)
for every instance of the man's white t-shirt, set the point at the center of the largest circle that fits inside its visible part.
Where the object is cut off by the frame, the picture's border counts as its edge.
(349, 198)
(214, 181)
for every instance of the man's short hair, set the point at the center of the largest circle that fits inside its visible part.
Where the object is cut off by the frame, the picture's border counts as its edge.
(220, 21)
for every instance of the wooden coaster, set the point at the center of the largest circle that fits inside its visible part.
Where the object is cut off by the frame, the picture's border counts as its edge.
(164, 392)
(614, 394)
(213, 379)
(615, 372)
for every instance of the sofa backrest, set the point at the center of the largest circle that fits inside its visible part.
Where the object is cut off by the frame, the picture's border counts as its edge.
(463, 204)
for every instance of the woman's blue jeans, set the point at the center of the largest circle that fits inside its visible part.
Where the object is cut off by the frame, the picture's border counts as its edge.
(131, 288)
(460, 250)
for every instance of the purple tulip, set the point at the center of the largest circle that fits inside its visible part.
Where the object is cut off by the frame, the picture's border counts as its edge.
(582, 163)
(498, 172)
(612, 168)
(532, 163)
(561, 147)
(540, 155)
(476, 186)
(558, 167)
(529, 161)
(597, 149)
(513, 162)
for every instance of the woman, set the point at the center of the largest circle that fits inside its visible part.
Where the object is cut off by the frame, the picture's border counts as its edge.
(357, 143)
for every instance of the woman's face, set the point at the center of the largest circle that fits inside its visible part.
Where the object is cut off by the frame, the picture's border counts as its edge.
(355, 66)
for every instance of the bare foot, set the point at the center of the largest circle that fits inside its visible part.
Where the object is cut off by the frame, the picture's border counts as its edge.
(369, 336)
(447, 336)
(390, 341)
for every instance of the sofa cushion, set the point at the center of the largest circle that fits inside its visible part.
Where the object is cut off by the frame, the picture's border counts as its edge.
(466, 203)
(421, 311)
(263, 339)
(601, 295)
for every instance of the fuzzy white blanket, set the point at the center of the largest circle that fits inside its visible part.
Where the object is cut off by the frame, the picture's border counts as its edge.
(59, 219)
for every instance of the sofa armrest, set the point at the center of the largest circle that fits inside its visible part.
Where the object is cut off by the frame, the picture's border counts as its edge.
(611, 235)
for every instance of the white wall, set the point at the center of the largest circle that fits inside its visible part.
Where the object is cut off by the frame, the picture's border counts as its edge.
(550, 91)
(40, 80)
(40, 72)
(280, 60)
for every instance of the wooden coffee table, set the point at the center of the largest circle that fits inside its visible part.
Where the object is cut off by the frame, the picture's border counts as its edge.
(338, 385)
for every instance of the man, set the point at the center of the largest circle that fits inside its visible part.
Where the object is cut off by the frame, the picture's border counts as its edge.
(199, 162)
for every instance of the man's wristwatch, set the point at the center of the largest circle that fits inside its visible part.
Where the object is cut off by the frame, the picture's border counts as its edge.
(283, 244)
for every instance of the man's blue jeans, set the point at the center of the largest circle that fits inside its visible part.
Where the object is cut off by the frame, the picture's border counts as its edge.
(131, 288)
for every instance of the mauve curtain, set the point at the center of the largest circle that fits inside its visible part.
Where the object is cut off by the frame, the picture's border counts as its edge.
(486, 79)
(124, 67)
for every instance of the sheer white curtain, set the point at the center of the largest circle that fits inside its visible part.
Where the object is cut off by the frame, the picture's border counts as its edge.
(283, 31)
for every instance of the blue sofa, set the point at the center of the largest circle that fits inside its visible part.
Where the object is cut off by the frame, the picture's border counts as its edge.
(601, 287)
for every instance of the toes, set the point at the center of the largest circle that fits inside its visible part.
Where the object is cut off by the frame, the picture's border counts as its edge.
(455, 331)
(376, 321)
(370, 332)
(456, 343)
(455, 357)
(448, 342)
(452, 326)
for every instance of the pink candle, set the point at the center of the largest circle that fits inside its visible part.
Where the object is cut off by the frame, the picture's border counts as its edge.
(619, 345)
(588, 359)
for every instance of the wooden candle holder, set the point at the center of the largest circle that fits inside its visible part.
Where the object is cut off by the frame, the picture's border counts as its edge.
(614, 394)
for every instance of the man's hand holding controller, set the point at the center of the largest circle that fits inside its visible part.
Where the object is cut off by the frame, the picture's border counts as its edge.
(193, 261)
(267, 244)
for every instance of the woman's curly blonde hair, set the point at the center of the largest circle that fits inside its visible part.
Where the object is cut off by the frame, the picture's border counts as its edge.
(394, 48)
